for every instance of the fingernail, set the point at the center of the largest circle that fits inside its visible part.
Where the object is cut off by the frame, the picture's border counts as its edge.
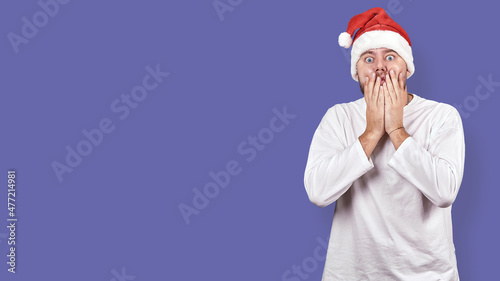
(373, 74)
(392, 71)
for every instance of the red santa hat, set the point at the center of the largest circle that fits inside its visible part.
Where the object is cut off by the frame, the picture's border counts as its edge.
(376, 30)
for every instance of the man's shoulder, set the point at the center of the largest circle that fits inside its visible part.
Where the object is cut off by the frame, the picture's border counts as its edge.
(434, 110)
(435, 106)
(345, 112)
(347, 107)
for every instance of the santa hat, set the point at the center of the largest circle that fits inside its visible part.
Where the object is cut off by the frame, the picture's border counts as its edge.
(376, 30)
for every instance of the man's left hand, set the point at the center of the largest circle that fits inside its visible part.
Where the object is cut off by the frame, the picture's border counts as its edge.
(395, 100)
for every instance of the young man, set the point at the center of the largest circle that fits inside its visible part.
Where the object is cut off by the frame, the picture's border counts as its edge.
(392, 161)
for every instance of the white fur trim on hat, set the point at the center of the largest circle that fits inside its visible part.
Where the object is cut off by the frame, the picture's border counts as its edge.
(381, 39)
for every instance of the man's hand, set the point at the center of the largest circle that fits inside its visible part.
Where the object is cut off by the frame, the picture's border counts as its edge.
(396, 97)
(374, 107)
(375, 128)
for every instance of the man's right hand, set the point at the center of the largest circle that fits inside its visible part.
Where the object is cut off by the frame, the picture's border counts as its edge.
(375, 126)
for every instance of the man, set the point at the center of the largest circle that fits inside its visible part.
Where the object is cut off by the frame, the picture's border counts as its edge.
(392, 161)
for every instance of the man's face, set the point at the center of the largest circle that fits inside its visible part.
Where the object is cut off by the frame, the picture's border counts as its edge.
(380, 61)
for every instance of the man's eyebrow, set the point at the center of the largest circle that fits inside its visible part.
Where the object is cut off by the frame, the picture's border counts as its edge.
(384, 51)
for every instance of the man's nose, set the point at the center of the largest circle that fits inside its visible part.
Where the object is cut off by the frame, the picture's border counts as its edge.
(380, 66)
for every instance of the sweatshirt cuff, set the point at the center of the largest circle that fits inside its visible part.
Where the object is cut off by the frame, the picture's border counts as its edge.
(400, 152)
(366, 162)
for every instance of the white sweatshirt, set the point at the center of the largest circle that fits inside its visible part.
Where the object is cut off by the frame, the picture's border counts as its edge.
(392, 218)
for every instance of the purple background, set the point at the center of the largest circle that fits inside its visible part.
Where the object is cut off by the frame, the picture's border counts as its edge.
(119, 208)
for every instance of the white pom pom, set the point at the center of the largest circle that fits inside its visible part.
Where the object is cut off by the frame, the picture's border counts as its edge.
(345, 40)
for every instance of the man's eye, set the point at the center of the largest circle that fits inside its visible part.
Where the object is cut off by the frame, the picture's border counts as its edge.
(390, 57)
(369, 59)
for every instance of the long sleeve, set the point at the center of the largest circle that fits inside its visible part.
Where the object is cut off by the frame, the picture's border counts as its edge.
(438, 170)
(333, 164)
